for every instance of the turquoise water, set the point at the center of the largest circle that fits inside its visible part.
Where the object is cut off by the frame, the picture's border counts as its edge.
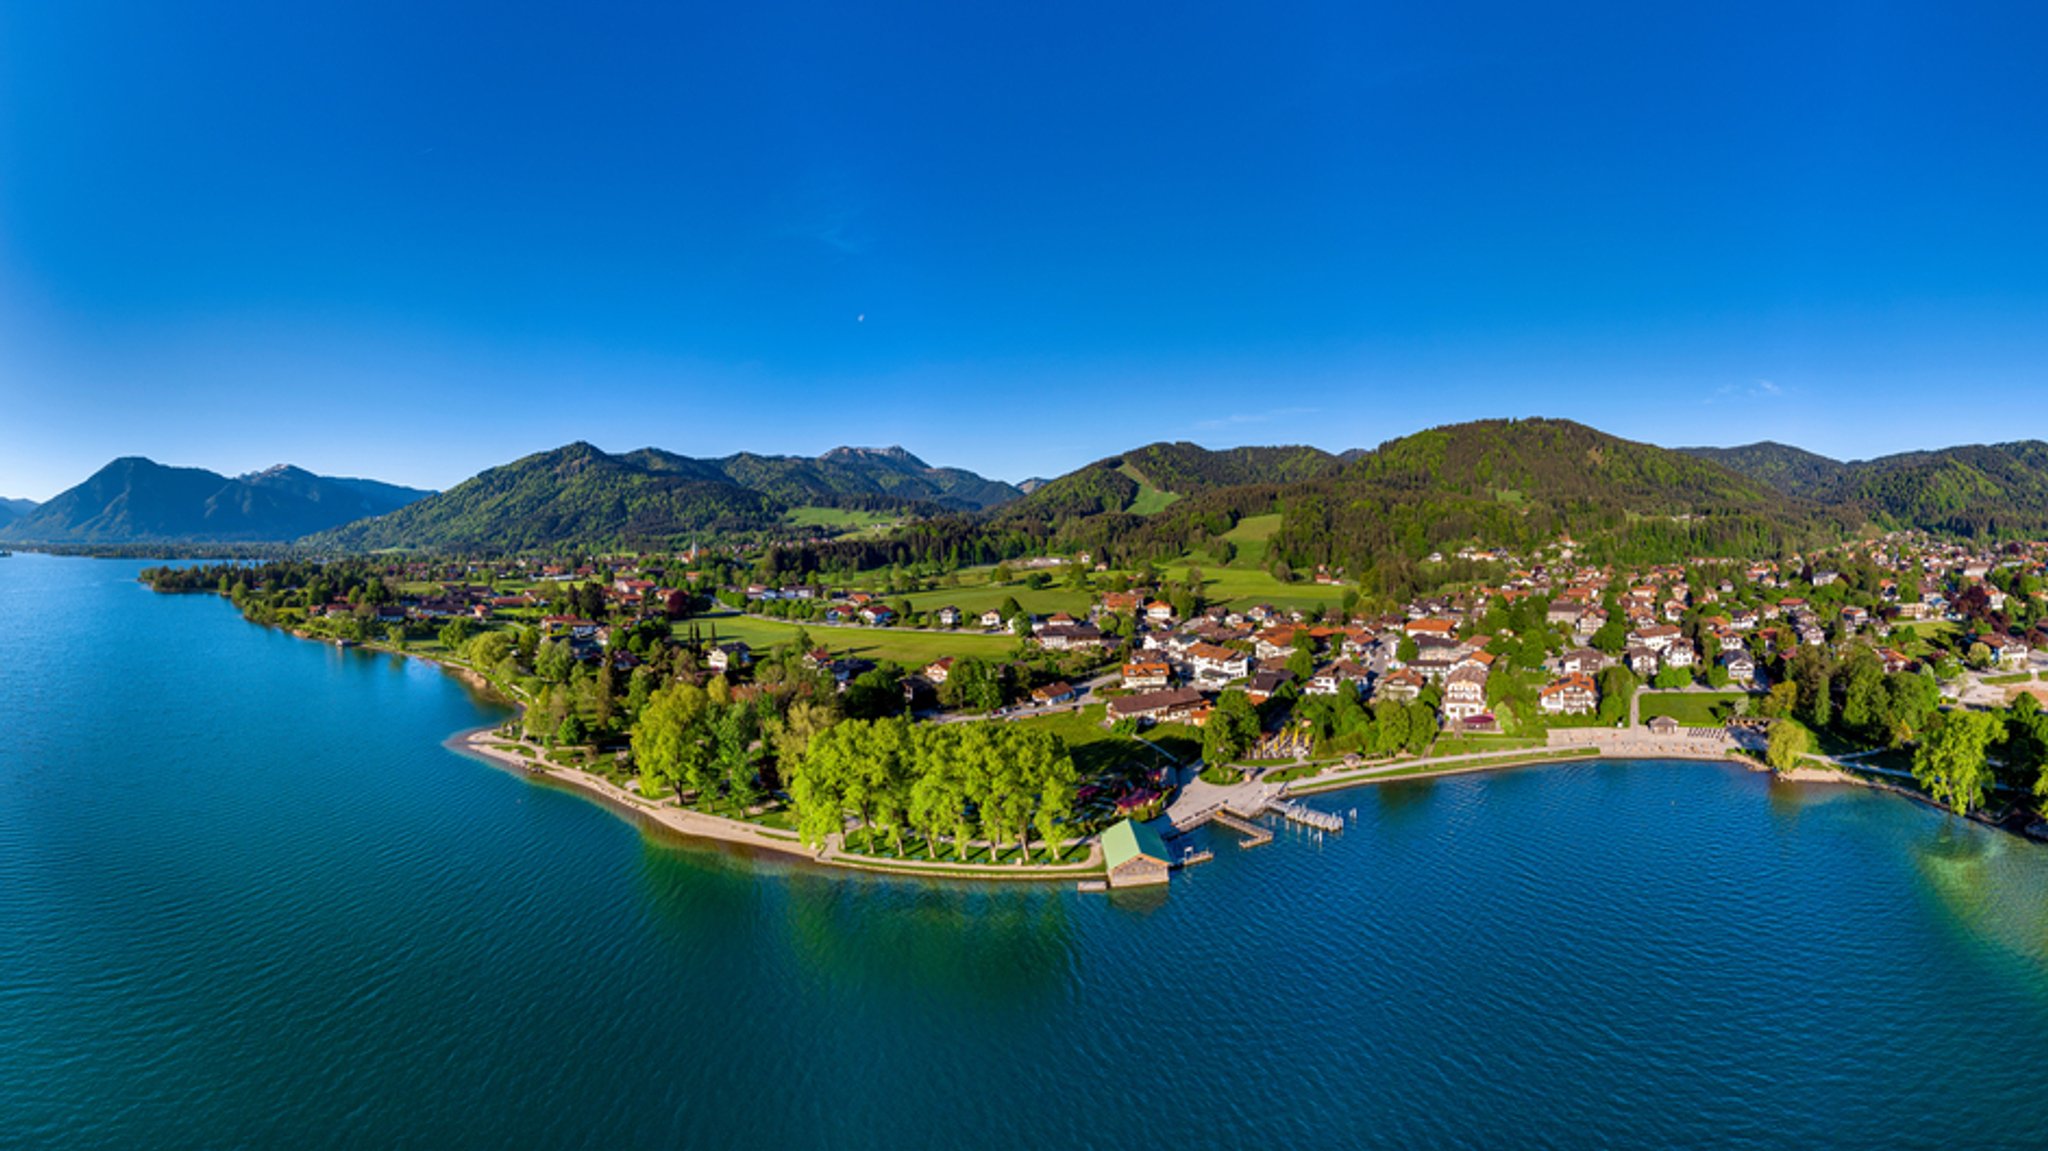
(247, 898)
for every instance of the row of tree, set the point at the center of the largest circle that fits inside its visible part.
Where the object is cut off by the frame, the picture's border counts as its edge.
(963, 782)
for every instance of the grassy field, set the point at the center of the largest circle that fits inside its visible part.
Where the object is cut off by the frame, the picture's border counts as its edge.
(975, 599)
(845, 518)
(1245, 587)
(1692, 709)
(1150, 499)
(911, 649)
(1251, 535)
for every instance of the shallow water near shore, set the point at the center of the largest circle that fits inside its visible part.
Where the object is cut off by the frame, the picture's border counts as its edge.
(248, 897)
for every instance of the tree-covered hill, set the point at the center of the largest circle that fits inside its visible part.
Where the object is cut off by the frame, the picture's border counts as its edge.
(1379, 514)
(1977, 490)
(1160, 473)
(1794, 471)
(572, 495)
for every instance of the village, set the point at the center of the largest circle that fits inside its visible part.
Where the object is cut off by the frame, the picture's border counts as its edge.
(1161, 693)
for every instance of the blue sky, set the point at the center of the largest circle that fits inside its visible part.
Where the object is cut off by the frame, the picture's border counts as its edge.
(375, 240)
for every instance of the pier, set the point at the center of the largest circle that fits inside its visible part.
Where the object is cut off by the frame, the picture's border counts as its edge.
(1254, 835)
(1305, 815)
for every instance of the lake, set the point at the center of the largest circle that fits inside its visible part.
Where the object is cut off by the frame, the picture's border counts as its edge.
(248, 898)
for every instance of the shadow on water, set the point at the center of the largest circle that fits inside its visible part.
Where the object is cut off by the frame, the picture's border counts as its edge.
(1993, 884)
(974, 943)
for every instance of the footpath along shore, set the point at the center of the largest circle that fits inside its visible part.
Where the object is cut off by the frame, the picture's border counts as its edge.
(486, 743)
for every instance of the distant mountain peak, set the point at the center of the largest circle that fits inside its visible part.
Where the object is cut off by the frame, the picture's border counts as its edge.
(137, 500)
(894, 452)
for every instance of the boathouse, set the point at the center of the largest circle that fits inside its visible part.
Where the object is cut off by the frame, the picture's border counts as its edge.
(1135, 854)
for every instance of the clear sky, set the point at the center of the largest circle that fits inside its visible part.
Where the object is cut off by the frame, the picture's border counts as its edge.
(374, 239)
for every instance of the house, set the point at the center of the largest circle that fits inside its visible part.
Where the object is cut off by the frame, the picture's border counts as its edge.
(1656, 638)
(1169, 706)
(878, 615)
(1570, 695)
(1159, 611)
(2006, 651)
(1401, 686)
(1895, 661)
(1680, 654)
(1435, 626)
(1855, 617)
(1214, 663)
(1583, 661)
(1147, 675)
(1738, 665)
(1330, 680)
(1120, 602)
(936, 671)
(1464, 694)
(949, 616)
(1663, 725)
(728, 656)
(992, 619)
(1265, 682)
(1059, 691)
(1134, 855)
(1642, 661)
(1070, 637)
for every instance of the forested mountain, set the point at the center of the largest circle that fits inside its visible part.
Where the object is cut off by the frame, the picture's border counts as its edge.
(1148, 479)
(136, 500)
(582, 495)
(1379, 514)
(1794, 471)
(571, 495)
(1972, 490)
(1521, 483)
(884, 476)
(11, 510)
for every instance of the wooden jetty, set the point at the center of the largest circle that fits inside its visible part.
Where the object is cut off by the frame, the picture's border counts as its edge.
(1254, 835)
(1305, 815)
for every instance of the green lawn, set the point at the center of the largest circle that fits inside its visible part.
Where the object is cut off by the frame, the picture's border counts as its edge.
(1470, 744)
(1918, 639)
(912, 649)
(2004, 680)
(1692, 709)
(1098, 752)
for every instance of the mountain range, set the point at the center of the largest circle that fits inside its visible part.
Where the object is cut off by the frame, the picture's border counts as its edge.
(136, 500)
(1506, 482)
(581, 494)
(1972, 490)
(11, 510)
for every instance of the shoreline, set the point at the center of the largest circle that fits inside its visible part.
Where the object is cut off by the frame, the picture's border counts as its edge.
(484, 743)
(787, 845)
